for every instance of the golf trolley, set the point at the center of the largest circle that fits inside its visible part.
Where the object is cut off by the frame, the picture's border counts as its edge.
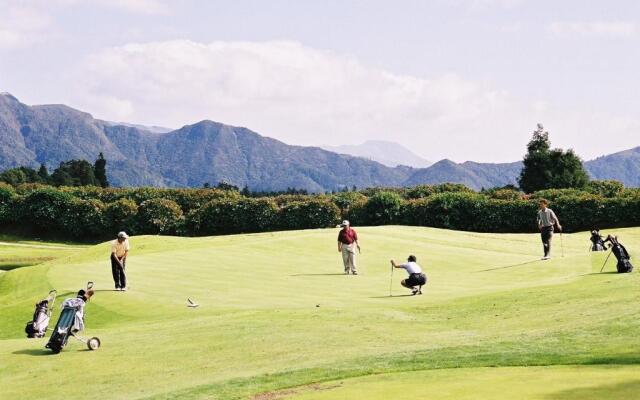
(622, 255)
(67, 326)
(37, 327)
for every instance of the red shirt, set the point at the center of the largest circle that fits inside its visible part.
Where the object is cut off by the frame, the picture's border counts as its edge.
(347, 237)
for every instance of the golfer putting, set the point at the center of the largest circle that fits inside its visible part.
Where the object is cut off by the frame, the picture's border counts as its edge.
(547, 223)
(119, 251)
(347, 244)
(416, 278)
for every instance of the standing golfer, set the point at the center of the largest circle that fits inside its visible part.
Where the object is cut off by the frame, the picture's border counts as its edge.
(547, 220)
(119, 252)
(347, 243)
(416, 276)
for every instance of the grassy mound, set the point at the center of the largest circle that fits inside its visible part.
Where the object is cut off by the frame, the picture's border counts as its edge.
(276, 313)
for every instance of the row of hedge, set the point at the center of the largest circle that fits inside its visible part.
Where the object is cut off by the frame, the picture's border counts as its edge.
(93, 213)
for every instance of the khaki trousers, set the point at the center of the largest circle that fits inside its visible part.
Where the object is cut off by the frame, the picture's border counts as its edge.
(349, 257)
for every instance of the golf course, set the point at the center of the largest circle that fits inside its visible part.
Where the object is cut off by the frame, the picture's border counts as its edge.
(277, 319)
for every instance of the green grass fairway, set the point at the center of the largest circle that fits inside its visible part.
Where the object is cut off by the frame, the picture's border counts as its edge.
(16, 253)
(278, 320)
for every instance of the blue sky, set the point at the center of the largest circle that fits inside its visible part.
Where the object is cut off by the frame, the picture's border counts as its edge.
(458, 79)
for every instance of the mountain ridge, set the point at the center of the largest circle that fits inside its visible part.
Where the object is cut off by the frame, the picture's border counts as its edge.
(210, 152)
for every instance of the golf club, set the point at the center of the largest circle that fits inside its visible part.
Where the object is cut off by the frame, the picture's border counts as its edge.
(561, 244)
(391, 281)
(605, 261)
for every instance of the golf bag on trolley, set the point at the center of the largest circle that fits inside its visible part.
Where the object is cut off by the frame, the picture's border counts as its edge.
(62, 331)
(622, 255)
(597, 242)
(37, 327)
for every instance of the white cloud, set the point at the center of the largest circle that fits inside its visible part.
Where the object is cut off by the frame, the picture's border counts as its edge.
(21, 25)
(307, 96)
(295, 93)
(135, 6)
(30, 21)
(597, 28)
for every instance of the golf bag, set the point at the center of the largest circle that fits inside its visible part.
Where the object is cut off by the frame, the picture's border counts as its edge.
(622, 255)
(69, 322)
(37, 327)
(597, 242)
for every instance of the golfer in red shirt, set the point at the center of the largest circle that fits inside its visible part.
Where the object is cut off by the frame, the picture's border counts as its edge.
(347, 243)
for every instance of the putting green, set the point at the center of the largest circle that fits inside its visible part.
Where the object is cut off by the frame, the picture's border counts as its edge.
(276, 313)
(543, 383)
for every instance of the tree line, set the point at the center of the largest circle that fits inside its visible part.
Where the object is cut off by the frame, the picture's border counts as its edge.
(68, 173)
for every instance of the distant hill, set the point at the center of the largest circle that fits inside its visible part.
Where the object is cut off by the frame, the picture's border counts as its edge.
(390, 154)
(623, 166)
(472, 174)
(212, 152)
(203, 152)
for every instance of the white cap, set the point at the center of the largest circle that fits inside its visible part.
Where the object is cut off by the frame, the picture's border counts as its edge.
(345, 223)
(123, 234)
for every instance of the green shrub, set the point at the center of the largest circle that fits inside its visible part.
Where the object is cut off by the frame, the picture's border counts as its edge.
(159, 216)
(45, 210)
(347, 200)
(120, 215)
(7, 194)
(309, 214)
(553, 194)
(383, 208)
(85, 218)
(607, 188)
(26, 188)
(224, 216)
(284, 199)
(504, 194)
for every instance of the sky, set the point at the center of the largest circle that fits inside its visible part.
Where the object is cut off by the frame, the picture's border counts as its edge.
(456, 79)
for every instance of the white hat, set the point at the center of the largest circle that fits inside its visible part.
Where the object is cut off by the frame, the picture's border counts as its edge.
(123, 234)
(345, 223)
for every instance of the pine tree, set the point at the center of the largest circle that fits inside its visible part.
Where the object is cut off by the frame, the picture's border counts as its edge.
(100, 171)
(43, 173)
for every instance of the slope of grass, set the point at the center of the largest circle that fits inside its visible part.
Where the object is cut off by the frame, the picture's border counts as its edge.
(276, 313)
(17, 252)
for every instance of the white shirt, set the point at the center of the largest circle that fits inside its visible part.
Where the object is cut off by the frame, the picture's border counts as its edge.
(411, 267)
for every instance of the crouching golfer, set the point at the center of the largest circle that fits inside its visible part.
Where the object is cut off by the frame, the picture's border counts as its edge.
(547, 222)
(347, 243)
(119, 252)
(416, 276)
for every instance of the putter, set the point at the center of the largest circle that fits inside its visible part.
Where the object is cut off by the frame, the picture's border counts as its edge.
(605, 261)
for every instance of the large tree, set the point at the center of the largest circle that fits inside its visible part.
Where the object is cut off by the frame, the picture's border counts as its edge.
(100, 171)
(74, 173)
(16, 176)
(43, 174)
(544, 168)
